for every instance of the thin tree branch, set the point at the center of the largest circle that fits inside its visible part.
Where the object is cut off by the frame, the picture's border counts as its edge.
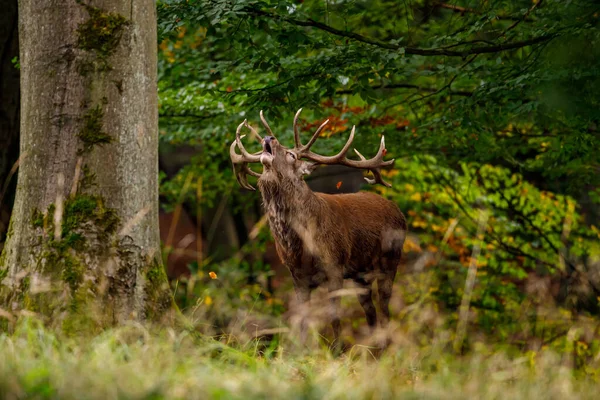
(260, 89)
(465, 10)
(186, 114)
(467, 42)
(447, 86)
(456, 8)
(409, 86)
(407, 50)
(350, 91)
(533, 7)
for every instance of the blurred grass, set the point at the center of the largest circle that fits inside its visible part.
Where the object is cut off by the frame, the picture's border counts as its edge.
(142, 362)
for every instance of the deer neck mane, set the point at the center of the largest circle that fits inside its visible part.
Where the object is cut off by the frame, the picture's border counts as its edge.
(287, 204)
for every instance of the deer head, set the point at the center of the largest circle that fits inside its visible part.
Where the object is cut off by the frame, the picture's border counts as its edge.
(289, 165)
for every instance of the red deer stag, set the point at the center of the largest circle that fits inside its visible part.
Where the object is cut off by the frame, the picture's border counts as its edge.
(322, 238)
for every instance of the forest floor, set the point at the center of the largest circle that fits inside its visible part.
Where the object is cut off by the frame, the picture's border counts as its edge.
(141, 362)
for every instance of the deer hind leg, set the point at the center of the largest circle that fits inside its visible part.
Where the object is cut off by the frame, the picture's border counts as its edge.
(385, 281)
(365, 298)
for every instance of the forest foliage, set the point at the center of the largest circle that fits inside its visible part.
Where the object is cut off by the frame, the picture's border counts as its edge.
(488, 108)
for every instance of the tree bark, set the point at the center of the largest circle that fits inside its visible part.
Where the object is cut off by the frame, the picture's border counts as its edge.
(9, 109)
(84, 230)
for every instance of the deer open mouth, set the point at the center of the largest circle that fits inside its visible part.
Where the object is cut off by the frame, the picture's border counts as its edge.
(266, 158)
(267, 147)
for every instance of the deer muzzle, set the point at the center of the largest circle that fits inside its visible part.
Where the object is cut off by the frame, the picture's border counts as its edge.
(266, 158)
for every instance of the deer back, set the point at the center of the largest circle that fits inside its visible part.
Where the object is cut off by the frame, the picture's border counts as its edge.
(373, 226)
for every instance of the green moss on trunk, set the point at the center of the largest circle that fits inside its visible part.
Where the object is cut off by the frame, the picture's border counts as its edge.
(156, 290)
(88, 178)
(37, 218)
(3, 266)
(85, 217)
(91, 133)
(89, 208)
(101, 34)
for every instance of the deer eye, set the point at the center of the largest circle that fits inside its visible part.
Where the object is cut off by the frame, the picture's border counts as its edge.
(291, 156)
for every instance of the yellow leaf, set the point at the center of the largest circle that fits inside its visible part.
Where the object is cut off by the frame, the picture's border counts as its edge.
(416, 197)
(208, 300)
(411, 245)
(419, 223)
(212, 275)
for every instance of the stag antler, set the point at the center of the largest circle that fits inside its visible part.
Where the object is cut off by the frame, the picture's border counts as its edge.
(240, 161)
(374, 164)
(264, 122)
(298, 144)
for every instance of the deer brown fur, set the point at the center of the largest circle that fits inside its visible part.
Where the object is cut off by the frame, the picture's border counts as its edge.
(323, 239)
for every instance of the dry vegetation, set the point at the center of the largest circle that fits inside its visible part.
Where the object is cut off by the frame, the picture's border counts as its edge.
(136, 361)
(237, 347)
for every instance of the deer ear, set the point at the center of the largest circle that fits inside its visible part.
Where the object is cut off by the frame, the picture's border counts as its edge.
(307, 167)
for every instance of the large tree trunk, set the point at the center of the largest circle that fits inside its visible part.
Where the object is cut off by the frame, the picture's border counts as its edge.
(84, 230)
(9, 109)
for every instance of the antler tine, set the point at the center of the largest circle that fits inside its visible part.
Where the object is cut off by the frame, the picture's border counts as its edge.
(338, 158)
(235, 157)
(342, 153)
(239, 158)
(242, 177)
(264, 122)
(254, 133)
(377, 159)
(241, 168)
(247, 157)
(375, 171)
(315, 136)
(297, 141)
(240, 161)
(298, 144)
(381, 148)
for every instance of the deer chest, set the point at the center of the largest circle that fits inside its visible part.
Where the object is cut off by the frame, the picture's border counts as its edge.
(283, 233)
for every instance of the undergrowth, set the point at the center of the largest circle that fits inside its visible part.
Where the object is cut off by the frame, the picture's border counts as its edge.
(233, 340)
(144, 362)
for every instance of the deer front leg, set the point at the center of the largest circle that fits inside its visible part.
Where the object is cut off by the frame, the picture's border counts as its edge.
(303, 296)
(335, 283)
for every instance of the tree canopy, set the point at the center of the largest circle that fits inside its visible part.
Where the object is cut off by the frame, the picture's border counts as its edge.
(509, 83)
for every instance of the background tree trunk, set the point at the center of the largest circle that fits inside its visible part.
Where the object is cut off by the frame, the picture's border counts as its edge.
(9, 109)
(84, 230)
